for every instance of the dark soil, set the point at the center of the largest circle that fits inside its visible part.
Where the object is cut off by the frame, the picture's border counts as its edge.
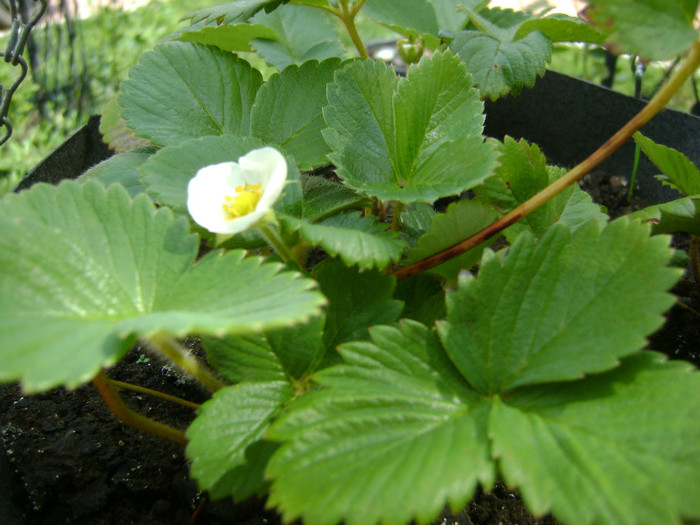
(65, 459)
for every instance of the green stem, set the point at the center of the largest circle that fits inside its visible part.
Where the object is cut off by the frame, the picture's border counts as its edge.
(279, 246)
(396, 219)
(154, 393)
(129, 417)
(655, 105)
(347, 17)
(181, 358)
(635, 168)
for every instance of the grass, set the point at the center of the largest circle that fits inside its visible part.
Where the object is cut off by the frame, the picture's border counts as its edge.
(108, 44)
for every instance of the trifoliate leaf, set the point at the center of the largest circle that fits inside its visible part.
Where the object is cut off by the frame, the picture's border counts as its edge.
(240, 358)
(288, 111)
(355, 239)
(239, 10)
(653, 29)
(414, 139)
(323, 198)
(86, 270)
(181, 91)
(500, 60)
(568, 305)
(679, 172)
(304, 34)
(122, 169)
(396, 436)
(523, 172)
(235, 37)
(225, 439)
(356, 301)
(619, 447)
(462, 219)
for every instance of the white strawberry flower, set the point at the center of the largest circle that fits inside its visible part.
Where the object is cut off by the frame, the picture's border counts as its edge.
(231, 197)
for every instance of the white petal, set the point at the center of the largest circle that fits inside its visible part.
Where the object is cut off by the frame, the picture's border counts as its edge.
(206, 192)
(266, 165)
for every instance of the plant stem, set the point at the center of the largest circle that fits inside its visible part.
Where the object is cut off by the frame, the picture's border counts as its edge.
(181, 358)
(635, 167)
(347, 17)
(396, 219)
(655, 105)
(150, 392)
(129, 417)
(279, 246)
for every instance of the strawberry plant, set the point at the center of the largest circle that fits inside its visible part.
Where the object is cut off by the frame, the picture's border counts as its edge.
(394, 308)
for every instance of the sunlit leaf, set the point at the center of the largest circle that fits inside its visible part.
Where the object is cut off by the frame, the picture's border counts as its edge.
(396, 436)
(182, 90)
(87, 270)
(414, 139)
(557, 309)
(225, 440)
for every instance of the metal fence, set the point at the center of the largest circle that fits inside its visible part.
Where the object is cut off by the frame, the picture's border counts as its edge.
(23, 15)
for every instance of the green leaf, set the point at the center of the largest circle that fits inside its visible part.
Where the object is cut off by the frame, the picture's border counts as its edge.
(501, 59)
(323, 198)
(356, 300)
(654, 29)
(416, 218)
(225, 438)
(356, 239)
(462, 219)
(288, 111)
(116, 133)
(569, 305)
(423, 296)
(304, 34)
(239, 10)
(414, 139)
(86, 270)
(508, 25)
(561, 28)
(498, 67)
(522, 173)
(620, 447)
(449, 16)
(235, 37)
(679, 172)
(397, 435)
(672, 217)
(122, 169)
(240, 358)
(181, 90)
(407, 17)
(300, 347)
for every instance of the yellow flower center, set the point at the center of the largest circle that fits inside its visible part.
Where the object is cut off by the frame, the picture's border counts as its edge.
(243, 202)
